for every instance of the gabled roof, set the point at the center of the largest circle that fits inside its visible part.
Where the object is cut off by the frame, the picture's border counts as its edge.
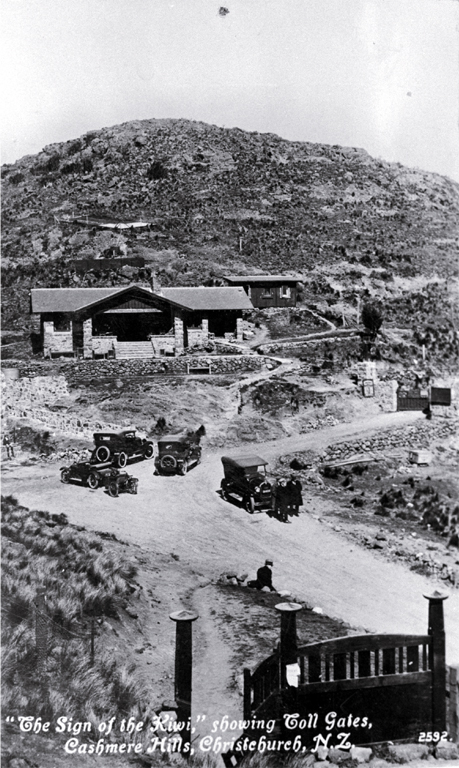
(208, 298)
(67, 299)
(75, 299)
(262, 278)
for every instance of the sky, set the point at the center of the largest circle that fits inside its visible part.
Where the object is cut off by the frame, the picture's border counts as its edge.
(377, 74)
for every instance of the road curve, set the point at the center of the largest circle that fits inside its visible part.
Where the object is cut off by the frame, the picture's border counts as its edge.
(186, 516)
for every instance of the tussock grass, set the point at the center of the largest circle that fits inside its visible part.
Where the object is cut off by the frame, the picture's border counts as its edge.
(83, 579)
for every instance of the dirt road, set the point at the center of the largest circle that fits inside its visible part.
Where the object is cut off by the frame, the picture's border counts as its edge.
(186, 516)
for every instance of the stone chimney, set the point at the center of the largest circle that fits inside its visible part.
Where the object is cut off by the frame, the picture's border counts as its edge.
(156, 284)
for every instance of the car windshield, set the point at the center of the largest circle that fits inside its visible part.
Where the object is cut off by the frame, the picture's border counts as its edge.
(255, 471)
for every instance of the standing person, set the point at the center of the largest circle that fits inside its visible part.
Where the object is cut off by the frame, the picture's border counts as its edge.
(282, 500)
(296, 499)
(9, 447)
(264, 577)
(428, 412)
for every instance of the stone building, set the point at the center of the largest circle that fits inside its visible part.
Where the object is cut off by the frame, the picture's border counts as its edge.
(133, 321)
(267, 290)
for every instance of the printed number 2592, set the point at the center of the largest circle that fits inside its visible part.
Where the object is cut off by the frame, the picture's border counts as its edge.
(427, 736)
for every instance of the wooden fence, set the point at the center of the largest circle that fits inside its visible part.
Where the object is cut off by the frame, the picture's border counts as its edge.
(398, 684)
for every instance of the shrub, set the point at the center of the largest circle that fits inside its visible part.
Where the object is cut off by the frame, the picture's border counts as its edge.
(372, 319)
(82, 578)
(156, 171)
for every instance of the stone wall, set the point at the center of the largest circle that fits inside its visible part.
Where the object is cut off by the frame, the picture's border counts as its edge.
(31, 398)
(162, 344)
(87, 338)
(55, 342)
(64, 422)
(197, 337)
(412, 436)
(102, 345)
(40, 390)
(84, 371)
(178, 333)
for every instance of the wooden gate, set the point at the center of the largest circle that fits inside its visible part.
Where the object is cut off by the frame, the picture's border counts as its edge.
(412, 401)
(359, 689)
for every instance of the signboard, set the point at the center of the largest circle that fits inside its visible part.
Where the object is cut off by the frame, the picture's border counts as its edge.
(368, 388)
(440, 396)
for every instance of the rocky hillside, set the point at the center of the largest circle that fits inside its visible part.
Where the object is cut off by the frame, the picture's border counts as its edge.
(217, 200)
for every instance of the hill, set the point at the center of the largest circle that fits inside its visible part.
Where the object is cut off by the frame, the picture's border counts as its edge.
(213, 200)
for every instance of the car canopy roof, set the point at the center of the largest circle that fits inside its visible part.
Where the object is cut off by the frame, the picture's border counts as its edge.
(244, 461)
(115, 433)
(179, 438)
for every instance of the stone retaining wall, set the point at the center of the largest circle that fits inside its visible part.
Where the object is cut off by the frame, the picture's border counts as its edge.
(83, 371)
(33, 391)
(31, 398)
(66, 423)
(412, 436)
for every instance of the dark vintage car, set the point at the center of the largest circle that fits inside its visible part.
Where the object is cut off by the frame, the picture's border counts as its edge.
(86, 473)
(246, 481)
(118, 447)
(117, 481)
(177, 453)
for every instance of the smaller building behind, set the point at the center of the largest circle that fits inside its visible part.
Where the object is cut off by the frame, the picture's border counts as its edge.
(268, 290)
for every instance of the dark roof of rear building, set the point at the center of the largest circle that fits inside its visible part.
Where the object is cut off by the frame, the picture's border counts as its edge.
(262, 278)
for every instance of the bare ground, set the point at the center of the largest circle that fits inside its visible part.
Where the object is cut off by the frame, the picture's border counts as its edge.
(183, 536)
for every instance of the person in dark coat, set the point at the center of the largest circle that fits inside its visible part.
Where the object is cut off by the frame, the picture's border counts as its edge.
(428, 412)
(294, 489)
(282, 500)
(264, 577)
(9, 447)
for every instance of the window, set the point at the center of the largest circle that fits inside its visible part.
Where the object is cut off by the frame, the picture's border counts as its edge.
(62, 323)
(267, 293)
(285, 291)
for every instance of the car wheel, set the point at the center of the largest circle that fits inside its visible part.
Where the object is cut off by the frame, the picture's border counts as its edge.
(65, 476)
(168, 462)
(113, 489)
(249, 504)
(102, 453)
(93, 480)
(121, 459)
(149, 451)
(183, 468)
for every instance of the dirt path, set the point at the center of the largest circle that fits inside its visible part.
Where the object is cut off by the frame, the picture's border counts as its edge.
(186, 516)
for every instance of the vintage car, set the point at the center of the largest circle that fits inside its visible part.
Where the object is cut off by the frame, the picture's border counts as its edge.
(120, 446)
(86, 473)
(246, 481)
(177, 453)
(116, 481)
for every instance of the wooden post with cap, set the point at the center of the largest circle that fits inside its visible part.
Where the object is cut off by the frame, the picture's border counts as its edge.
(41, 628)
(183, 668)
(288, 639)
(437, 661)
